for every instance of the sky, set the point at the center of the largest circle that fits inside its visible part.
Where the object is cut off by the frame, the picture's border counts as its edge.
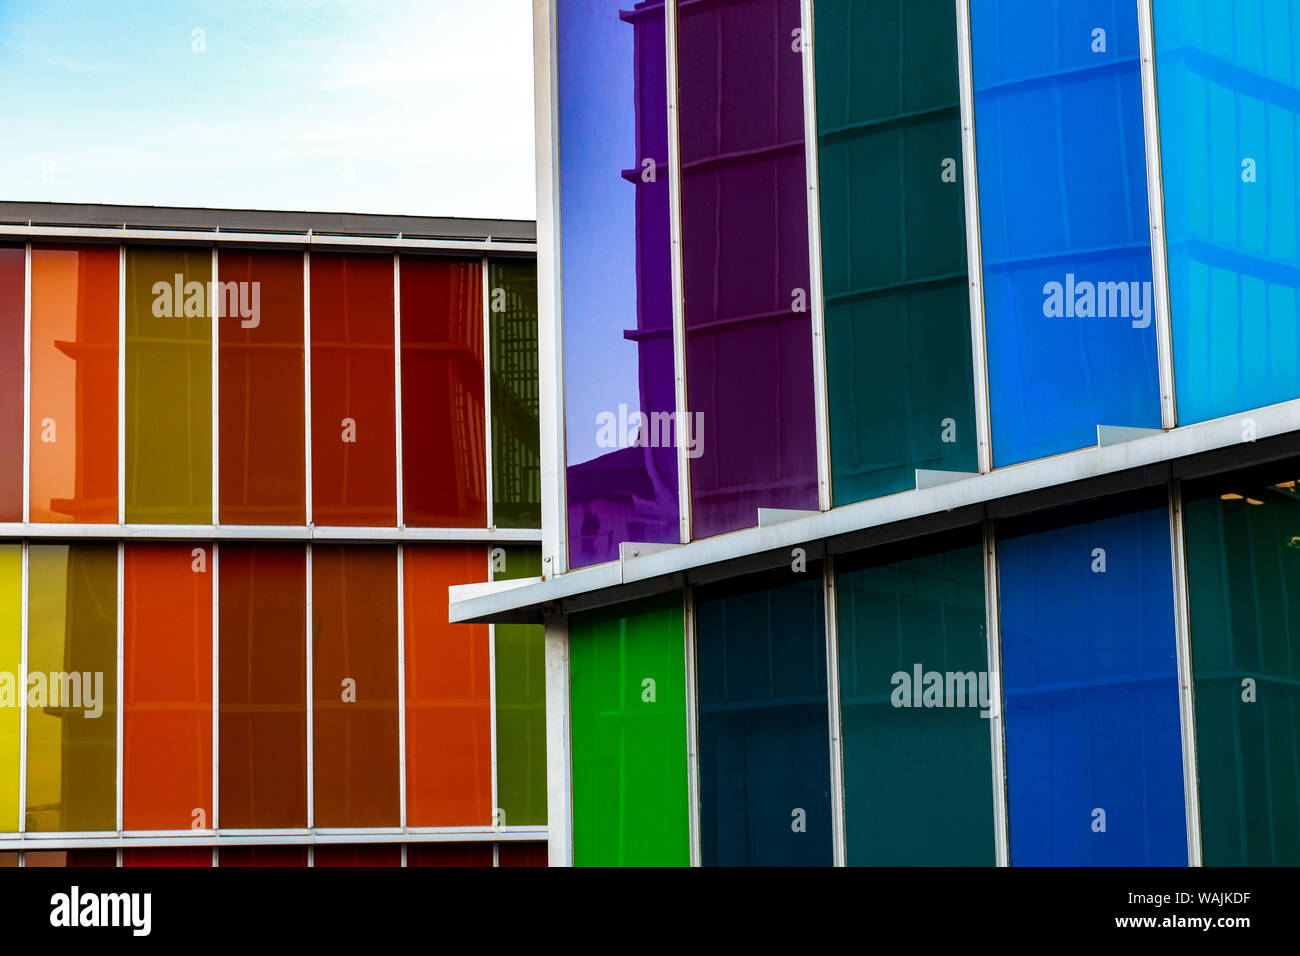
(414, 107)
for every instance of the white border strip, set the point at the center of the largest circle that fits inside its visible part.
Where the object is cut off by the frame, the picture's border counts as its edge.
(1186, 701)
(684, 420)
(830, 593)
(692, 730)
(559, 749)
(27, 384)
(997, 731)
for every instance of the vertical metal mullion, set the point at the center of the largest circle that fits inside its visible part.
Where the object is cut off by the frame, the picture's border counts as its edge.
(217, 304)
(838, 831)
(27, 387)
(559, 750)
(306, 381)
(121, 675)
(24, 608)
(821, 395)
(1186, 702)
(681, 431)
(497, 819)
(692, 729)
(974, 252)
(216, 685)
(121, 385)
(311, 771)
(487, 392)
(550, 319)
(1156, 211)
(401, 689)
(997, 730)
(397, 385)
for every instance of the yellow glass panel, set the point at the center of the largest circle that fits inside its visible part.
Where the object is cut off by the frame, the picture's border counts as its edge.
(11, 637)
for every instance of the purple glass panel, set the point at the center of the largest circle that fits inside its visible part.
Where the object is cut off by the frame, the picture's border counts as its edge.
(617, 289)
(749, 373)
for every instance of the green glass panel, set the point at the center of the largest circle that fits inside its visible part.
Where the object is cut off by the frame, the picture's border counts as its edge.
(521, 701)
(168, 386)
(516, 442)
(893, 244)
(627, 694)
(72, 687)
(1243, 575)
(918, 779)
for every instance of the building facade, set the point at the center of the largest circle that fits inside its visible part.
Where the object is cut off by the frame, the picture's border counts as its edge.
(244, 455)
(920, 416)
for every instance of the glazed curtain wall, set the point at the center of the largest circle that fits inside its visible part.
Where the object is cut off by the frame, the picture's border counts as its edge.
(1228, 76)
(354, 318)
(1068, 300)
(893, 245)
(617, 290)
(627, 699)
(242, 608)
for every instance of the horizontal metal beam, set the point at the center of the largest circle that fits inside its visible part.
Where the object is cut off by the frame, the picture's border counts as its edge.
(1235, 441)
(185, 838)
(206, 532)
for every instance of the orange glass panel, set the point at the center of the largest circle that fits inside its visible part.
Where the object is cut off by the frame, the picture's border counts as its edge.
(448, 700)
(167, 715)
(8, 858)
(449, 854)
(13, 286)
(444, 478)
(260, 424)
(73, 427)
(353, 404)
(354, 686)
(262, 615)
(73, 858)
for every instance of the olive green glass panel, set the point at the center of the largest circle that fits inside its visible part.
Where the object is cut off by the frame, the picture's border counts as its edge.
(627, 697)
(516, 441)
(1243, 575)
(11, 695)
(893, 242)
(520, 701)
(918, 781)
(168, 386)
(72, 687)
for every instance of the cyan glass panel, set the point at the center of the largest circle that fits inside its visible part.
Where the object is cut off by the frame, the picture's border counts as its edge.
(1228, 79)
(893, 237)
(1068, 303)
(763, 722)
(1093, 745)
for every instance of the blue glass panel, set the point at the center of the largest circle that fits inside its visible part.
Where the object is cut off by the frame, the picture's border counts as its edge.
(1091, 689)
(763, 722)
(619, 390)
(1229, 87)
(1063, 222)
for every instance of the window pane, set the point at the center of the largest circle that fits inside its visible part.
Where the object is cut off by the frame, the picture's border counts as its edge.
(444, 481)
(1064, 225)
(263, 477)
(901, 394)
(167, 718)
(72, 858)
(72, 655)
(1229, 122)
(448, 694)
(521, 701)
(11, 691)
(167, 856)
(1243, 575)
(358, 855)
(918, 777)
(262, 613)
(629, 736)
(521, 854)
(13, 287)
(262, 856)
(516, 467)
(764, 723)
(74, 383)
(168, 386)
(1093, 743)
(749, 373)
(354, 686)
(617, 292)
(449, 854)
(353, 402)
